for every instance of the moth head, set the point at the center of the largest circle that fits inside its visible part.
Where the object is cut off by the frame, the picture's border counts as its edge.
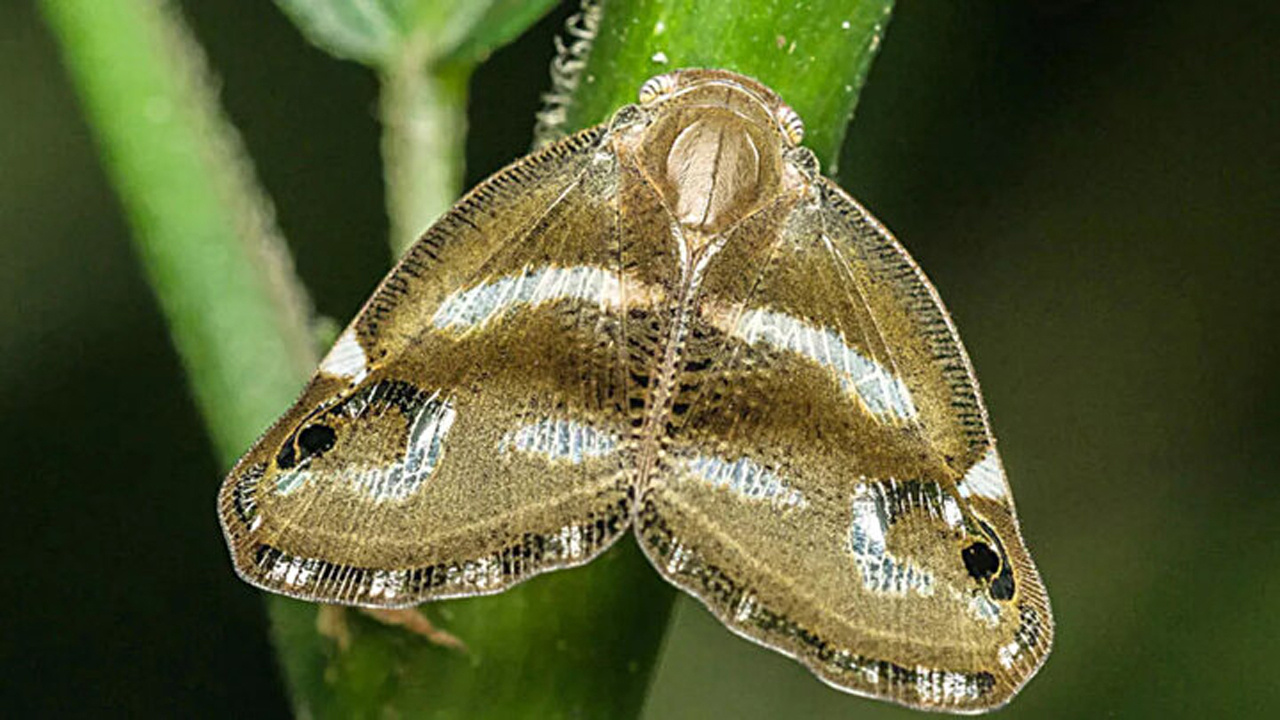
(714, 144)
(721, 87)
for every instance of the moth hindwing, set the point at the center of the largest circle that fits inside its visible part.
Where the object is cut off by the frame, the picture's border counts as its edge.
(670, 323)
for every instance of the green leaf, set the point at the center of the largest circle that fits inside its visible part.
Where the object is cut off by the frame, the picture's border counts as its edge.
(500, 22)
(377, 32)
(368, 32)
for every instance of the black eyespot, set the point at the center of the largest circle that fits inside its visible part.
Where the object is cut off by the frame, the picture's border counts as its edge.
(1002, 586)
(286, 459)
(316, 439)
(980, 560)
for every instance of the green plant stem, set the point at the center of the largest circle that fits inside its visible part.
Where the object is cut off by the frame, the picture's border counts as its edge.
(203, 230)
(201, 227)
(424, 117)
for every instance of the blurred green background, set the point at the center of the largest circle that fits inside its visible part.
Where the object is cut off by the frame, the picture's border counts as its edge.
(1091, 185)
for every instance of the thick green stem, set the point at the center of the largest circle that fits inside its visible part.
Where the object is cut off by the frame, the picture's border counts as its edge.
(424, 117)
(204, 231)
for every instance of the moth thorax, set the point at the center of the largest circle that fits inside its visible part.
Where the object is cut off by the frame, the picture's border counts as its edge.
(716, 169)
(713, 167)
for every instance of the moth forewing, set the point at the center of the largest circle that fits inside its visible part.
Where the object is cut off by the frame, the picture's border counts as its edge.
(818, 428)
(674, 322)
(464, 432)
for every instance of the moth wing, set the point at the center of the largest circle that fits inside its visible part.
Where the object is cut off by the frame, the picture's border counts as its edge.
(464, 431)
(830, 486)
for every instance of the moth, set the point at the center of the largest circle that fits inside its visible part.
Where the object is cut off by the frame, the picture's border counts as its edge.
(670, 324)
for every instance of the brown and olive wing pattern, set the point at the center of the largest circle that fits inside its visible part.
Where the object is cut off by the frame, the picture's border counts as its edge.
(830, 487)
(671, 321)
(468, 429)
